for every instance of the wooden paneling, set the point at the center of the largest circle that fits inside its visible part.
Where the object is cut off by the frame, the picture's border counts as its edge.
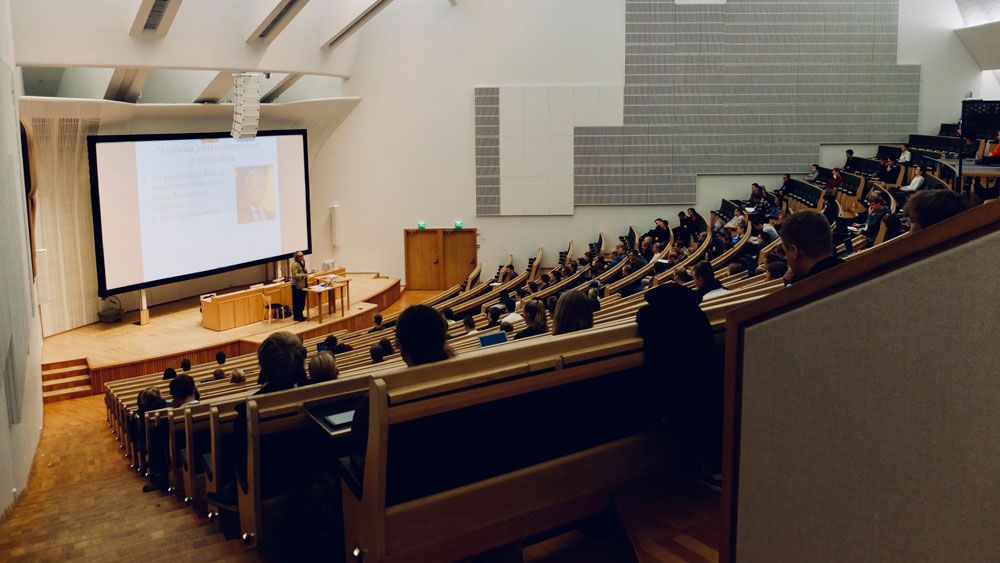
(438, 258)
(423, 259)
(460, 256)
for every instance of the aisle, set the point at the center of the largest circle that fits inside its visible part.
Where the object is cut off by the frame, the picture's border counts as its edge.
(82, 502)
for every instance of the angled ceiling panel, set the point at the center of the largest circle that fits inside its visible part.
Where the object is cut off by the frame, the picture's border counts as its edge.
(983, 42)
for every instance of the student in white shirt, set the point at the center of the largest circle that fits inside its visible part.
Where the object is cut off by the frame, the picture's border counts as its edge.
(512, 317)
(470, 325)
(918, 181)
(904, 156)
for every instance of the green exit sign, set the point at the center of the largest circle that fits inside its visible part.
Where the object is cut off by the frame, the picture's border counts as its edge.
(458, 224)
(421, 225)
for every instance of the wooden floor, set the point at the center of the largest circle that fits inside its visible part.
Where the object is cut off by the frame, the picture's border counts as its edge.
(409, 297)
(176, 327)
(83, 503)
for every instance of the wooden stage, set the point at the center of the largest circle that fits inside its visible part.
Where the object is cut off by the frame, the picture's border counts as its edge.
(125, 349)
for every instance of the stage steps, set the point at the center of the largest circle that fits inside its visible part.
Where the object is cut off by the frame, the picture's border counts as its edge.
(65, 380)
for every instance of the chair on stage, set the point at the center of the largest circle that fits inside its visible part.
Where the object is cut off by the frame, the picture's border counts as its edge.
(268, 310)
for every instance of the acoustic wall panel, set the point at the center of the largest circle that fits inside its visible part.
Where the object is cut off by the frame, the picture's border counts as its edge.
(487, 151)
(745, 86)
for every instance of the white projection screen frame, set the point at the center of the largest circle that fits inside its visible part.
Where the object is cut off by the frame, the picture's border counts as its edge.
(172, 207)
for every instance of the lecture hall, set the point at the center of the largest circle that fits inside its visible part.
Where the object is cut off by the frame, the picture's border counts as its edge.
(498, 281)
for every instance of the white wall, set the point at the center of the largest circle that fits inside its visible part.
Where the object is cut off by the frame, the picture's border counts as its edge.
(406, 152)
(927, 38)
(18, 442)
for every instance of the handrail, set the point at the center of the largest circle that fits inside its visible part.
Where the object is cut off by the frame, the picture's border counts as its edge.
(967, 226)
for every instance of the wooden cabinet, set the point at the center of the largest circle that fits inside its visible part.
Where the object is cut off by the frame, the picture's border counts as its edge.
(438, 258)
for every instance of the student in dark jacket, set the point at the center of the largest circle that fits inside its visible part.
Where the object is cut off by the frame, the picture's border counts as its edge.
(535, 319)
(808, 246)
(149, 399)
(687, 385)
(422, 336)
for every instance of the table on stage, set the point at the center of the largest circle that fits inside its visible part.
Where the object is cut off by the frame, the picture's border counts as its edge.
(341, 284)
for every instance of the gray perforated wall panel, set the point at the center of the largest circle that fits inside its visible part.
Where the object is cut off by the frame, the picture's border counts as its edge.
(749, 86)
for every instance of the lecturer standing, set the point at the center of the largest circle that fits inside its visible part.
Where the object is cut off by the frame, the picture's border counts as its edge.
(299, 277)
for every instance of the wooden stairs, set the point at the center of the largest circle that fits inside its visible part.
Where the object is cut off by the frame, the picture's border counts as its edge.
(67, 379)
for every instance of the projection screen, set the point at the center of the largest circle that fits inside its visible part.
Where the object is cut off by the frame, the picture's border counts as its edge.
(174, 207)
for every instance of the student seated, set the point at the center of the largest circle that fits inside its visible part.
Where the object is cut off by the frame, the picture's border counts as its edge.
(849, 163)
(282, 359)
(422, 335)
(378, 323)
(149, 399)
(811, 176)
(323, 367)
(550, 304)
(836, 179)
(682, 276)
(918, 182)
(595, 298)
(632, 288)
(492, 317)
(469, 324)
(334, 346)
(890, 174)
(878, 208)
(506, 327)
(510, 307)
(904, 154)
(220, 357)
(169, 373)
(376, 353)
(786, 182)
(449, 315)
(218, 374)
(696, 223)
(685, 378)
(386, 346)
(186, 365)
(808, 246)
(706, 285)
(660, 232)
(776, 271)
(932, 206)
(182, 391)
(238, 376)
(506, 274)
(573, 312)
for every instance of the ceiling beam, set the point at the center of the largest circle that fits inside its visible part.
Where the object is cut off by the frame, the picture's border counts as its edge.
(356, 24)
(126, 84)
(276, 21)
(280, 88)
(162, 12)
(217, 88)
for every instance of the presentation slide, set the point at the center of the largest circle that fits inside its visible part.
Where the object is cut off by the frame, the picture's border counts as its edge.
(176, 208)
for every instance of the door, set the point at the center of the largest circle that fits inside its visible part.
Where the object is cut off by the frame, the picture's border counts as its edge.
(459, 256)
(423, 259)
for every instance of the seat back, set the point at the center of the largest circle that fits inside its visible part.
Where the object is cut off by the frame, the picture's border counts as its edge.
(445, 452)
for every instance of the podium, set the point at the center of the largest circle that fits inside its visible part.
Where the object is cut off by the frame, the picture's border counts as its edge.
(230, 310)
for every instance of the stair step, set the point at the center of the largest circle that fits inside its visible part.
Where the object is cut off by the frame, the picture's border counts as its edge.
(56, 373)
(68, 393)
(64, 382)
(64, 363)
